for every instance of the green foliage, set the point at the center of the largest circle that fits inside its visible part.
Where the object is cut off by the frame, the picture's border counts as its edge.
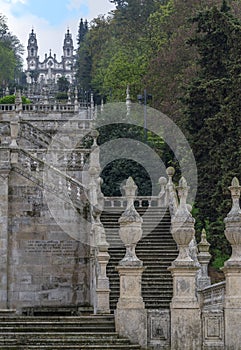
(212, 117)
(63, 84)
(219, 259)
(10, 55)
(61, 96)
(123, 69)
(10, 99)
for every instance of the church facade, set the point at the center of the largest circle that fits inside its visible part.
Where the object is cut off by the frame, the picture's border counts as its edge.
(50, 69)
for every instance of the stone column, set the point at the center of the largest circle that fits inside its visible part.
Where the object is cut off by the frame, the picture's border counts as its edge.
(4, 179)
(100, 282)
(232, 271)
(185, 311)
(102, 304)
(130, 315)
(204, 258)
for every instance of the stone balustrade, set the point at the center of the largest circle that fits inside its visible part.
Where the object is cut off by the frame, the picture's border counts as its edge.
(7, 108)
(49, 107)
(213, 296)
(64, 186)
(140, 201)
(41, 107)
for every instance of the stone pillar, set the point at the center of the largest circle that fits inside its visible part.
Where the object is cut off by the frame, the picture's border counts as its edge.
(76, 103)
(102, 304)
(204, 258)
(232, 271)
(4, 178)
(130, 315)
(100, 282)
(185, 311)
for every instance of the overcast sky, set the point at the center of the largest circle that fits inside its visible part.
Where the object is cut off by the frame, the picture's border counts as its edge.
(50, 20)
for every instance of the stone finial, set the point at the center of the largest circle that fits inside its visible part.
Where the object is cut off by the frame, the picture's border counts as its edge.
(69, 96)
(235, 190)
(183, 225)
(102, 105)
(203, 280)
(130, 226)
(130, 191)
(183, 189)
(170, 173)
(162, 181)
(76, 103)
(128, 100)
(162, 194)
(203, 245)
(233, 223)
(91, 100)
(171, 191)
(95, 135)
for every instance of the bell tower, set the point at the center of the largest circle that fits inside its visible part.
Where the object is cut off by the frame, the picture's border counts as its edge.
(32, 48)
(68, 47)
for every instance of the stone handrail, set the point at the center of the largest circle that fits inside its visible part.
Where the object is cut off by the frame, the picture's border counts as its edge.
(65, 187)
(63, 158)
(39, 107)
(48, 107)
(53, 124)
(7, 108)
(28, 130)
(213, 296)
(140, 201)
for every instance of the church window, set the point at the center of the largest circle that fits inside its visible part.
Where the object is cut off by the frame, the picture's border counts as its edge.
(32, 52)
(68, 52)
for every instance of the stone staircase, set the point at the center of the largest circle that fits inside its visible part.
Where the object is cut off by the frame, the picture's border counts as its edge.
(83, 332)
(156, 249)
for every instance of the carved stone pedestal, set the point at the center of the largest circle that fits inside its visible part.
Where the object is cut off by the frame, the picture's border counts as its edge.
(232, 307)
(185, 311)
(131, 316)
(232, 271)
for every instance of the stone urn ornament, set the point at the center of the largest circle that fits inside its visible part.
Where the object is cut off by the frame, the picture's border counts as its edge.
(130, 226)
(233, 224)
(183, 225)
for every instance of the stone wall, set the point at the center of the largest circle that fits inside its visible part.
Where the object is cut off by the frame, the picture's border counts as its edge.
(45, 265)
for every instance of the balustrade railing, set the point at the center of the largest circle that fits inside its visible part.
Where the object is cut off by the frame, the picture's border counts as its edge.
(52, 125)
(140, 201)
(213, 296)
(45, 108)
(63, 158)
(7, 108)
(50, 178)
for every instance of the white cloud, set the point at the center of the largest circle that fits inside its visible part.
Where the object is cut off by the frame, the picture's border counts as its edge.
(48, 36)
(13, 2)
(75, 4)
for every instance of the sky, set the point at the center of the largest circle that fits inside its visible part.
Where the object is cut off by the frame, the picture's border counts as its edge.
(50, 20)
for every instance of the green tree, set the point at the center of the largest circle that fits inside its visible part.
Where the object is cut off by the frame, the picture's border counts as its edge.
(10, 55)
(63, 84)
(212, 115)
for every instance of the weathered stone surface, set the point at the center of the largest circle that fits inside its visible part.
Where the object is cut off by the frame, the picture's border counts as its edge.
(186, 329)
(132, 323)
(46, 266)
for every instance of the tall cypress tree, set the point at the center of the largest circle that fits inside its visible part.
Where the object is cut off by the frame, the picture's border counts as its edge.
(212, 108)
(83, 61)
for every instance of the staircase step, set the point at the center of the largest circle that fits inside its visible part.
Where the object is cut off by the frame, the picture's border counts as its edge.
(156, 249)
(51, 332)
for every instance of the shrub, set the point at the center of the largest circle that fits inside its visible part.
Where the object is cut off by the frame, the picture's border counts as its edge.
(10, 99)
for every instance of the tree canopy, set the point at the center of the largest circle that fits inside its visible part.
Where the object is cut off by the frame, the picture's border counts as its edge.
(10, 55)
